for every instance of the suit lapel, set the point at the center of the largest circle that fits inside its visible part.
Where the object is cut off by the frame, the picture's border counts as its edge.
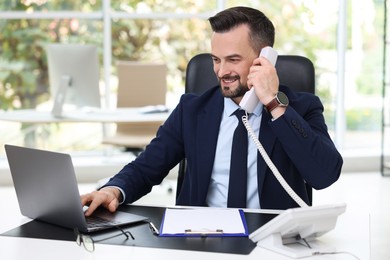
(207, 136)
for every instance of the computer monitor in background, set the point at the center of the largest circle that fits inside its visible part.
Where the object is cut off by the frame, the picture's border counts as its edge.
(73, 76)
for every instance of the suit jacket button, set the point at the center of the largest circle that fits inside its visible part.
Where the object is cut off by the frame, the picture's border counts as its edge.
(293, 122)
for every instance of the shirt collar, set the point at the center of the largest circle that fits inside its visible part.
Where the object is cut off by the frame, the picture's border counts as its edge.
(231, 107)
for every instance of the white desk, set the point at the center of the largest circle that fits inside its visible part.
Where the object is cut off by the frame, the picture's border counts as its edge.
(119, 115)
(351, 234)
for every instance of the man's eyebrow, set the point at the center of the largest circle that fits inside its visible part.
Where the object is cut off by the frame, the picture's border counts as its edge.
(233, 56)
(213, 56)
(228, 57)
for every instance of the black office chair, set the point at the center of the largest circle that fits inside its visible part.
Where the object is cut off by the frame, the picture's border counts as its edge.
(296, 72)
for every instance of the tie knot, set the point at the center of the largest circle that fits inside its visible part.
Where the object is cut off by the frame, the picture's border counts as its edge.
(239, 113)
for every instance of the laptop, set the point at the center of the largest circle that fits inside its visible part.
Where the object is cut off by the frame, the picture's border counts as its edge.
(47, 190)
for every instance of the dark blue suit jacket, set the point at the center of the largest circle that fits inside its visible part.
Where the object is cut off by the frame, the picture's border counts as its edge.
(298, 144)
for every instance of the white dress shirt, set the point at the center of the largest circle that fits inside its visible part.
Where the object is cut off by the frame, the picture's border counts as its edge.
(219, 183)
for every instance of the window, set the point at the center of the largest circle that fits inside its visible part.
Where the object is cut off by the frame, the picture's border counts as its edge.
(174, 31)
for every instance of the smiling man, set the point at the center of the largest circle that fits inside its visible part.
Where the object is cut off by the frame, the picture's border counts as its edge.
(201, 129)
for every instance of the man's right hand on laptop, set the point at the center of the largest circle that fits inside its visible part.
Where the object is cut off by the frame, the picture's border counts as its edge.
(107, 197)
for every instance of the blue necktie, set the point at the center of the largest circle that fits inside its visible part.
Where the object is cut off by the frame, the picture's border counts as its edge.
(238, 165)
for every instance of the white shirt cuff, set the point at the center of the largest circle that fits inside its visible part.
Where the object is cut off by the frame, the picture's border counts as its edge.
(122, 192)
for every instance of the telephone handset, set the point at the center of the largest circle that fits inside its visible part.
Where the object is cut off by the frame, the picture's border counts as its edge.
(249, 103)
(250, 100)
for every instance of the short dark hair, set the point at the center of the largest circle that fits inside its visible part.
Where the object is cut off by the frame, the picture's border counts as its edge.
(262, 31)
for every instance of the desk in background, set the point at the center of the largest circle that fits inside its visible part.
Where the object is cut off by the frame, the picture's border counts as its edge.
(133, 117)
(119, 115)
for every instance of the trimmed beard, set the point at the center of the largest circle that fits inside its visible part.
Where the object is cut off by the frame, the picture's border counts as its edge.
(238, 92)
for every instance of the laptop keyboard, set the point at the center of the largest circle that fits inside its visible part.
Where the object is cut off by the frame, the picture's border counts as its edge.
(94, 221)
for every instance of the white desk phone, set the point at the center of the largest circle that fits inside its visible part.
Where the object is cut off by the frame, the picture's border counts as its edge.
(290, 232)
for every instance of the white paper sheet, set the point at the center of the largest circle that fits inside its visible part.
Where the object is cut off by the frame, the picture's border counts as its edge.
(207, 220)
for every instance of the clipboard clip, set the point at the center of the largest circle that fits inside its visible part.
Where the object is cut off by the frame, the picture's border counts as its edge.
(203, 232)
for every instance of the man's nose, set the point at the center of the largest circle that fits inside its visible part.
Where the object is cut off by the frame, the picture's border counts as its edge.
(223, 69)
